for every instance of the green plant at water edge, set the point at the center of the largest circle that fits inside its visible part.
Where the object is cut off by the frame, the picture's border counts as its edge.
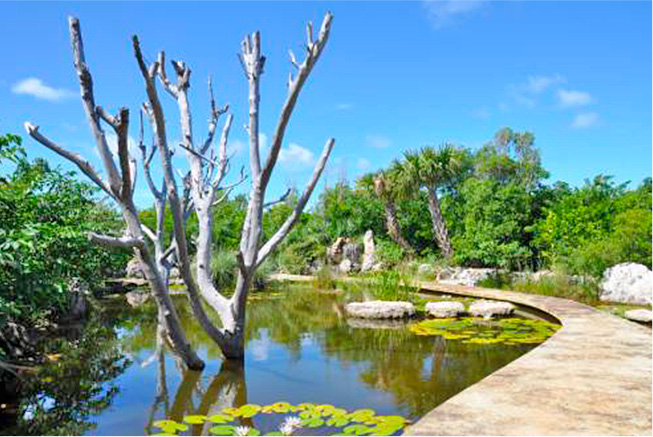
(323, 279)
(389, 285)
(510, 331)
(45, 214)
(317, 419)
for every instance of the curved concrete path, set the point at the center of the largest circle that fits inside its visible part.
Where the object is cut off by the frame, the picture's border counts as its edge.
(593, 377)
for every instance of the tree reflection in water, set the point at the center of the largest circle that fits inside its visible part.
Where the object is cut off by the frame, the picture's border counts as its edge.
(418, 372)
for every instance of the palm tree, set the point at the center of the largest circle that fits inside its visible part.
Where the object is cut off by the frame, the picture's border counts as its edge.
(432, 169)
(378, 182)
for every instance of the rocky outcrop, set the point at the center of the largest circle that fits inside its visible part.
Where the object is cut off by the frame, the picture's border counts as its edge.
(344, 254)
(378, 309)
(133, 269)
(642, 316)
(369, 262)
(627, 283)
(443, 310)
(464, 276)
(491, 308)
(425, 269)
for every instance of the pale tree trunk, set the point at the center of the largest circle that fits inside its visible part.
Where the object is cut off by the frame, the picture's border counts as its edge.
(200, 190)
(204, 184)
(391, 214)
(120, 187)
(393, 227)
(439, 226)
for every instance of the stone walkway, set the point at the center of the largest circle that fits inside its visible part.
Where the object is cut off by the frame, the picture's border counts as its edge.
(593, 377)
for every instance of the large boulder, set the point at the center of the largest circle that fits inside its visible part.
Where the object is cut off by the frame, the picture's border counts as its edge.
(442, 310)
(464, 276)
(491, 308)
(425, 269)
(377, 309)
(334, 252)
(642, 316)
(368, 252)
(627, 283)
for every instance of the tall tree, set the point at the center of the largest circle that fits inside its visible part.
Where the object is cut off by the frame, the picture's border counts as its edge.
(202, 186)
(432, 169)
(378, 183)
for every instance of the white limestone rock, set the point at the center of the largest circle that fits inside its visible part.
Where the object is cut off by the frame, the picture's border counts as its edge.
(491, 308)
(459, 276)
(368, 252)
(133, 269)
(443, 310)
(425, 269)
(627, 283)
(643, 316)
(378, 309)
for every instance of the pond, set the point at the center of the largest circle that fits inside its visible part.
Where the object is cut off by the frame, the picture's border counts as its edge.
(116, 379)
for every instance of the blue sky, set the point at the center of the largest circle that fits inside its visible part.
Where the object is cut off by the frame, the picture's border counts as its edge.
(395, 76)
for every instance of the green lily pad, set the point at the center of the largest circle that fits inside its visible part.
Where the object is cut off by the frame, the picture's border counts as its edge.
(220, 418)
(357, 430)
(313, 422)
(195, 419)
(223, 430)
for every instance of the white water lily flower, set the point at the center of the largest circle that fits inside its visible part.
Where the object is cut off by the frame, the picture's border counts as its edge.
(293, 421)
(289, 425)
(286, 429)
(242, 430)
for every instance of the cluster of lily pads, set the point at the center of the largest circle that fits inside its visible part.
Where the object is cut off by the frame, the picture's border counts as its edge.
(509, 331)
(331, 420)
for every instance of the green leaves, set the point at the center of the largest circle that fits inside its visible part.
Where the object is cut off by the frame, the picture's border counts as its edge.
(311, 416)
(509, 331)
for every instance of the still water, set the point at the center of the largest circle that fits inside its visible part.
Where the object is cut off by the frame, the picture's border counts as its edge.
(117, 377)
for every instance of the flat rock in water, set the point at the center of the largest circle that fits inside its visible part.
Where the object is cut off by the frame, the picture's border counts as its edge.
(378, 309)
(643, 316)
(490, 308)
(442, 310)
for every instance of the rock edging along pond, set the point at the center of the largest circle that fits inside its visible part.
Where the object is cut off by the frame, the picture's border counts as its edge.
(593, 377)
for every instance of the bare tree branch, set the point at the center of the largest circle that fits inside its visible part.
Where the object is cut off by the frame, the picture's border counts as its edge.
(88, 100)
(81, 163)
(281, 233)
(125, 242)
(314, 51)
(281, 199)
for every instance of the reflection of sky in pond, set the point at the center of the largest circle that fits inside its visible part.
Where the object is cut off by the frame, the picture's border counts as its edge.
(299, 349)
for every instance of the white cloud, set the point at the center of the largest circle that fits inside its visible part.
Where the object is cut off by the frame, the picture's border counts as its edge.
(296, 157)
(585, 119)
(377, 142)
(538, 84)
(363, 164)
(526, 93)
(35, 87)
(482, 113)
(443, 12)
(112, 142)
(569, 98)
(344, 106)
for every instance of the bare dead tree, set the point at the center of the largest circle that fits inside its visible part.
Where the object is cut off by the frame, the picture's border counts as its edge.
(120, 187)
(202, 185)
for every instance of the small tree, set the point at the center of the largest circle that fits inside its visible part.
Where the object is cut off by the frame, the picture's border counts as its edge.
(432, 169)
(202, 186)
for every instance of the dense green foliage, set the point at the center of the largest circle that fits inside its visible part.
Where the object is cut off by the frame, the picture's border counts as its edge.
(497, 207)
(598, 225)
(44, 217)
